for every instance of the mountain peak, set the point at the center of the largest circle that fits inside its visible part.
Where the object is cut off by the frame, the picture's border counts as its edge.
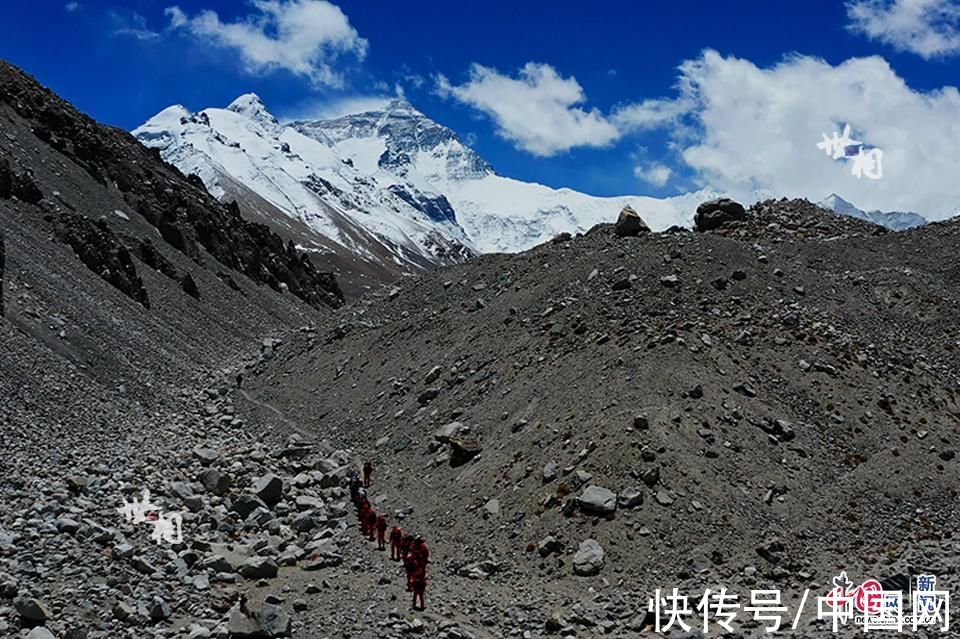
(246, 102)
(400, 105)
(251, 106)
(896, 220)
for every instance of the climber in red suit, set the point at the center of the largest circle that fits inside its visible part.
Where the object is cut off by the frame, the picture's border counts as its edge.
(419, 590)
(420, 554)
(381, 526)
(362, 513)
(396, 541)
(371, 524)
(367, 473)
(410, 566)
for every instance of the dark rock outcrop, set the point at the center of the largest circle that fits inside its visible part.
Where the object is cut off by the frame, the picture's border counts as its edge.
(190, 286)
(19, 185)
(100, 250)
(25, 188)
(630, 224)
(715, 213)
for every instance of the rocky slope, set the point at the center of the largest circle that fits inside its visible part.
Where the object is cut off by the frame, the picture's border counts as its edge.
(745, 407)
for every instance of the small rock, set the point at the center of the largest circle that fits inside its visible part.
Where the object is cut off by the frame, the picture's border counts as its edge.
(589, 558)
(630, 498)
(259, 568)
(158, 609)
(597, 500)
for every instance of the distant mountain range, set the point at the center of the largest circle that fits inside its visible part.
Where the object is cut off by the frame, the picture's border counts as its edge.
(895, 220)
(385, 192)
(391, 188)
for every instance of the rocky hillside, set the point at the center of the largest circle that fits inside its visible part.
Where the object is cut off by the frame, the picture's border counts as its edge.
(183, 214)
(743, 407)
(125, 286)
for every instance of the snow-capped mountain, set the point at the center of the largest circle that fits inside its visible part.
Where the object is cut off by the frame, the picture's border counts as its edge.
(499, 214)
(243, 153)
(390, 186)
(894, 220)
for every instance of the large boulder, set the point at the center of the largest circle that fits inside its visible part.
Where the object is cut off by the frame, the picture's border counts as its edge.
(629, 223)
(589, 558)
(269, 488)
(715, 213)
(597, 500)
(241, 624)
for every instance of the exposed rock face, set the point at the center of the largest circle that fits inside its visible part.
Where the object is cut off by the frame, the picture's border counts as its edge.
(715, 213)
(630, 224)
(19, 185)
(100, 250)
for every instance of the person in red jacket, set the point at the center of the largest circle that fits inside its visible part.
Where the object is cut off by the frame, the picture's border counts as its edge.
(419, 590)
(371, 524)
(410, 566)
(396, 543)
(381, 527)
(420, 554)
(362, 514)
(406, 546)
(367, 473)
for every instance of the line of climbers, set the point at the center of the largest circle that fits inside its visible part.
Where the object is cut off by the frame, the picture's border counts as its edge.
(409, 549)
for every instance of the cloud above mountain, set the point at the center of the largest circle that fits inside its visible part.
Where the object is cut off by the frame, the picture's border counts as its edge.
(538, 109)
(303, 37)
(928, 28)
(750, 130)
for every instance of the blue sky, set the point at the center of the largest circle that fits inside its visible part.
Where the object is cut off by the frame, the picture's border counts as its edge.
(563, 93)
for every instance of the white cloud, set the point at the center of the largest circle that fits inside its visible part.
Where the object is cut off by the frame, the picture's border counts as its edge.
(70, 7)
(749, 130)
(131, 24)
(928, 28)
(654, 173)
(651, 114)
(335, 108)
(304, 37)
(537, 110)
